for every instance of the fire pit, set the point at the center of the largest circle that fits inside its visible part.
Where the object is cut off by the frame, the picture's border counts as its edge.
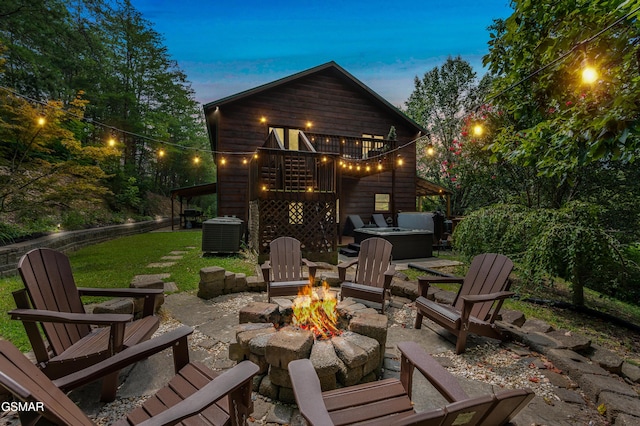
(345, 341)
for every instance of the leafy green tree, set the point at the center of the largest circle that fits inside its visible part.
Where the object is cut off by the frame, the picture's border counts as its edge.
(561, 123)
(440, 102)
(42, 163)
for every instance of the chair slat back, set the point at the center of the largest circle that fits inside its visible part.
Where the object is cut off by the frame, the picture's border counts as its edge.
(48, 278)
(373, 261)
(488, 273)
(507, 405)
(27, 383)
(286, 259)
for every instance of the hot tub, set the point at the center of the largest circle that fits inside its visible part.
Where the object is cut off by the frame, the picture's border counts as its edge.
(407, 243)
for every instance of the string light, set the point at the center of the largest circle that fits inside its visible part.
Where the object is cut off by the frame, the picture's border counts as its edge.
(223, 161)
(161, 153)
(196, 160)
(244, 161)
(430, 150)
(478, 130)
(111, 141)
(42, 121)
(589, 75)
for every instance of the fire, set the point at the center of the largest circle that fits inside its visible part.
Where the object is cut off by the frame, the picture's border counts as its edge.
(315, 310)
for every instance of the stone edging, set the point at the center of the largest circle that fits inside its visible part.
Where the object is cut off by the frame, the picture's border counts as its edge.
(602, 375)
(73, 240)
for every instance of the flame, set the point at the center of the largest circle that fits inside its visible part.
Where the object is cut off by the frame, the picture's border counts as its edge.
(315, 309)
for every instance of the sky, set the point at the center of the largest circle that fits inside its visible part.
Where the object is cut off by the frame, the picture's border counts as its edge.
(229, 46)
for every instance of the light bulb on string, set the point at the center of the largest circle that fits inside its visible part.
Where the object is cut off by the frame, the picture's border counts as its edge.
(430, 150)
(478, 130)
(196, 160)
(41, 121)
(589, 74)
(161, 153)
(112, 141)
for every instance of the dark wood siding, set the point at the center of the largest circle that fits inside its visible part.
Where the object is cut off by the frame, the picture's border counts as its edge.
(334, 105)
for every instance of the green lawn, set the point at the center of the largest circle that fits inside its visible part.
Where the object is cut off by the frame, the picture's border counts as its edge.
(115, 263)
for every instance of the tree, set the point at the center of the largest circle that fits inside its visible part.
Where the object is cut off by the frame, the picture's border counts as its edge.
(571, 145)
(43, 165)
(440, 102)
(562, 124)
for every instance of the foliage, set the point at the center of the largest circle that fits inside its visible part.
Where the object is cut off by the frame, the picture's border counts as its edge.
(569, 243)
(42, 164)
(440, 101)
(558, 123)
(106, 68)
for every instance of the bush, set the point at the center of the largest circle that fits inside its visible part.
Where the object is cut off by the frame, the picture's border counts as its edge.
(569, 243)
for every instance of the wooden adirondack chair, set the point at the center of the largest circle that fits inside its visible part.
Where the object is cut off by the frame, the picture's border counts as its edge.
(388, 402)
(195, 393)
(374, 272)
(283, 271)
(477, 303)
(50, 298)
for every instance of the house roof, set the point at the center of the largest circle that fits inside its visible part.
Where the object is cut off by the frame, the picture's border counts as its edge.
(329, 65)
(194, 191)
(426, 188)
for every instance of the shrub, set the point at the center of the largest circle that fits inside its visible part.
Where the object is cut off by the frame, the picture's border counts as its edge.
(569, 243)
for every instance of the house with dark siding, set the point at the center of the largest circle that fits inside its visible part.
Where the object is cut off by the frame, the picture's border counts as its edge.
(298, 155)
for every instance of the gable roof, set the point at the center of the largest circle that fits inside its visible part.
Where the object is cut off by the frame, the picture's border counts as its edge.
(329, 65)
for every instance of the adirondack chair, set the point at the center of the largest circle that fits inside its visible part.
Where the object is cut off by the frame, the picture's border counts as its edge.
(283, 271)
(485, 285)
(388, 402)
(374, 272)
(52, 300)
(195, 393)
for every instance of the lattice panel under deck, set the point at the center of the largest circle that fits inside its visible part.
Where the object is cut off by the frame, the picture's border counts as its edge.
(311, 222)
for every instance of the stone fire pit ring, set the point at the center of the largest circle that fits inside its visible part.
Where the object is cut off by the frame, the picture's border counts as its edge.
(265, 337)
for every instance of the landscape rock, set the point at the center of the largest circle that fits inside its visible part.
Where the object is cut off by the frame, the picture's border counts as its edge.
(606, 359)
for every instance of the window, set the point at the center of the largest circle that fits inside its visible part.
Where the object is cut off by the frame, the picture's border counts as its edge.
(382, 202)
(289, 137)
(371, 143)
(296, 213)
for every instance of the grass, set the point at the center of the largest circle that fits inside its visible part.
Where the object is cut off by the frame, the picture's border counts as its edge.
(114, 264)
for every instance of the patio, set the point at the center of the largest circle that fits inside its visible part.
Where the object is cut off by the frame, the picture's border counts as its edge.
(486, 365)
(566, 384)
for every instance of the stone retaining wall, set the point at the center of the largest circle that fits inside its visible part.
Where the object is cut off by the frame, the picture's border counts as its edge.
(72, 240)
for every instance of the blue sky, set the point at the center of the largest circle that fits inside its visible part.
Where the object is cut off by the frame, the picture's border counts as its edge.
(229, 46)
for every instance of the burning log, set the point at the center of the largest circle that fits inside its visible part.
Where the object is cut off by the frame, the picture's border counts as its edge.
(316, 312)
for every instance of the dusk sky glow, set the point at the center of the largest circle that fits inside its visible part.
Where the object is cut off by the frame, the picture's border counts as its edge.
(228, 47)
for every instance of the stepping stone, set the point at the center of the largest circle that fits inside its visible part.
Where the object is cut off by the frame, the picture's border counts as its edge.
(171, 257)
(178, 252)
(170, 287)
(160, 264)
(149, 277)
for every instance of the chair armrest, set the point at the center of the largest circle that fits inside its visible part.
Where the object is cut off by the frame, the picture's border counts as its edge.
(500, 295)
(39, 315)
(446, 383)
(441, 280)
(120, 292)
(312, 268)
(388, 275)
(342, 268)
(216, 389)
(425, 282)
(307, 391)
(266, 271)
(124, 358)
